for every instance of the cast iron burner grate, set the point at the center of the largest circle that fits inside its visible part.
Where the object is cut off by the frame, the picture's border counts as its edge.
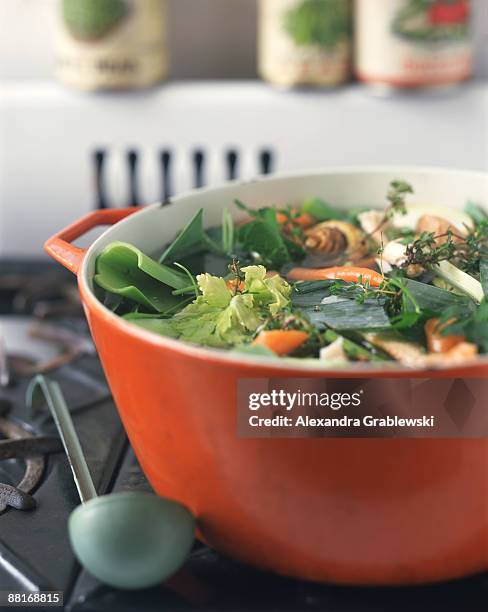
(34, 548)
(18, 443)
(42, 330)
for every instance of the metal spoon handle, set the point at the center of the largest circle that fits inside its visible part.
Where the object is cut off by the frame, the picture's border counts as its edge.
(61, 415)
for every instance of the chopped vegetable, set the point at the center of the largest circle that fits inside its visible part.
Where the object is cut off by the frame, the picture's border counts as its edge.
(459, 279)
(405, 283)
(334, 351)
(293, 218)
(436, 341)
(484, 275)
(263, 240)
(281, 342)
(192, 239)
(124, 270)
(345, 273)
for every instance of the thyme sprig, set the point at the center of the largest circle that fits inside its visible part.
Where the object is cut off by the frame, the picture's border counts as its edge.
(466, 252)
(426, 250)
(237, 280)
(393, 294)
(396, 197)
(475, 248)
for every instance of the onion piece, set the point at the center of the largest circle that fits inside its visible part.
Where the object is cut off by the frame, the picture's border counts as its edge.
(460, 280)
(334, 351)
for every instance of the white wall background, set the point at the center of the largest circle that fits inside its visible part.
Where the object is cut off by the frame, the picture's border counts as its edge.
(208, 38)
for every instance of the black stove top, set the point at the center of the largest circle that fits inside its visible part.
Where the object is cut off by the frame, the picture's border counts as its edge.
(42, 325)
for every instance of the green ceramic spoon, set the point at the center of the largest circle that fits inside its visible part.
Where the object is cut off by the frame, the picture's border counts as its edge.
(129, 540)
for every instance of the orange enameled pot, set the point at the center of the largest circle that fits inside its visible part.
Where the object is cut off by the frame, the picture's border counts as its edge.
(355, 511)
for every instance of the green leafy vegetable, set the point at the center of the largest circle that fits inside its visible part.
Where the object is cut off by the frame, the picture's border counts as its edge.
(192, 239)
(220, 318)
(473, 324)
(484, 275)
(272, 292)
(475, 212)
(217, 299)
(321, 210)
(302, 287)
(310, 295)
(263, 238)
(124, 270)
(348, 314)
(433, 299)
(341, 305)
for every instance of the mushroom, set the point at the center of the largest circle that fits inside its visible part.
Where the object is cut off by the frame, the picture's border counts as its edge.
(440, 227)
(458, 219)
(395, 254)
(335, 237)
(373, 223)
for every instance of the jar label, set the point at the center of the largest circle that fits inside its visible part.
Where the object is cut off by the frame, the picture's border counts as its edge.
(305, 41)
(111, 44)
(413, 42)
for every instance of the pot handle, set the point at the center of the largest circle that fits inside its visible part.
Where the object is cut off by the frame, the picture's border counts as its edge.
(59, 246)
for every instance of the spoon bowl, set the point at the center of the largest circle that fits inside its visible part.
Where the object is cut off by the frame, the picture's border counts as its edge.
(131, 540)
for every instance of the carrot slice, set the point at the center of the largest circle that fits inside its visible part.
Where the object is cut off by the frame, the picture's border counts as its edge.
(281, 341)
(350, 274)
(303, 220)
(436, 342)
(234, 285)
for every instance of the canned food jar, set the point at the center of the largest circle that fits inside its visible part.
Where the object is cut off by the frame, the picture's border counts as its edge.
(305, 42)
(111, 44)
(413, 43)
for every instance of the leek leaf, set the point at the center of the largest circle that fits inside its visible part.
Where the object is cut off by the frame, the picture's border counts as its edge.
(191, 240)
(343, 314)
(124, 270)
(475, 212)
(353, 349)
(434, 299)
(484, 275)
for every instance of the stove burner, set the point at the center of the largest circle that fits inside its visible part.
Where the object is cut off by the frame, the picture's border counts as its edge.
(46, 295)
(20, 443)
(29, 347)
